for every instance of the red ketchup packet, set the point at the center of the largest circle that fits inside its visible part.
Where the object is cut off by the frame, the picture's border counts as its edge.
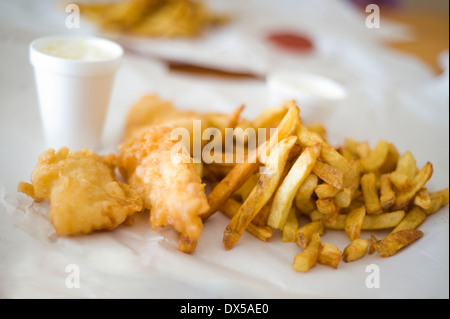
(291, 41)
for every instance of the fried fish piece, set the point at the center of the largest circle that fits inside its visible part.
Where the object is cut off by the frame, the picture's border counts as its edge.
(151, 111)
(83, 191)
(167, 181)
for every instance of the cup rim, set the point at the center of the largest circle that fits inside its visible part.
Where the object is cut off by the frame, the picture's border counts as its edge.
(83, 68)
(51, 38)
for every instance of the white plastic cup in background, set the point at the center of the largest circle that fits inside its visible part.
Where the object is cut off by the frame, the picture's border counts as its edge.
(315, 95)
(74, 78)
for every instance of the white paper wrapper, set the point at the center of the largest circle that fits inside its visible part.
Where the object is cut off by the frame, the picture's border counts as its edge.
(389, 96)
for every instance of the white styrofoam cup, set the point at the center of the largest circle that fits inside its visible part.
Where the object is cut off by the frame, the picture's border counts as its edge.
(74, 94)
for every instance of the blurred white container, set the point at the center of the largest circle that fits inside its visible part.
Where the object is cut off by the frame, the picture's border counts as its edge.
(315, 95)
(74, 78)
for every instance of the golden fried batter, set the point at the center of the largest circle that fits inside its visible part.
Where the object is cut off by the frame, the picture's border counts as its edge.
(154, 18)
(170, 185)
(150, 110)
(83, 192)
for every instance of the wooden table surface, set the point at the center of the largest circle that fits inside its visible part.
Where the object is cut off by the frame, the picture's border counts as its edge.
(431, 35)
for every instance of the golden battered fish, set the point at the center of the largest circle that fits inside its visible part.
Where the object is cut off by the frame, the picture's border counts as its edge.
(169, 184)
(151, 111)
(83, 191)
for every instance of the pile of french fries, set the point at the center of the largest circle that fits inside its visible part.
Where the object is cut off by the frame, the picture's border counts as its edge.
(352, 187)
(153, 18)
